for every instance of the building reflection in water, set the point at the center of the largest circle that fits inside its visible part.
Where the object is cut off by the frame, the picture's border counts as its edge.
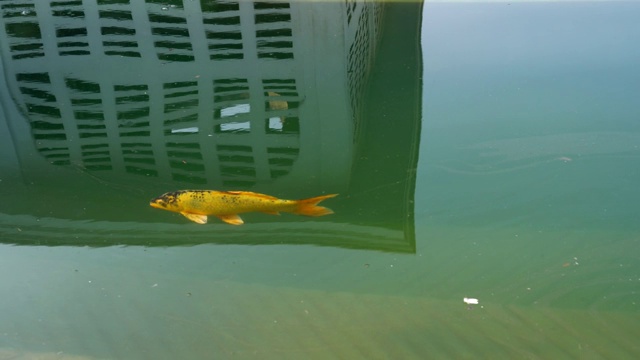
(206, 94)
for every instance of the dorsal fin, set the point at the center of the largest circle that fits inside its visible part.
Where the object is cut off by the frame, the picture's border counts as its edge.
(249, 193)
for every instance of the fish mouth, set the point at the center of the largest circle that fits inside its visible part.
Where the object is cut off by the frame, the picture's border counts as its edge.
(155, 204)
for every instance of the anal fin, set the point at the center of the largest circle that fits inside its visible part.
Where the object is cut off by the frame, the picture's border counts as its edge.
(200, 219)
(232, 219)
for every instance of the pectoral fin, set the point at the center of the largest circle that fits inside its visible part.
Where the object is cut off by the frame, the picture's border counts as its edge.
(200, 219)
(232, 219)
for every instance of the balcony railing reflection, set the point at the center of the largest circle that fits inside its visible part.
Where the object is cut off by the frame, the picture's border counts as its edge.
(108, 123)
(206, 94)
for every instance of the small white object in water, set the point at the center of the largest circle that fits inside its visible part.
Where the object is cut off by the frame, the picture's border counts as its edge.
(470, 301)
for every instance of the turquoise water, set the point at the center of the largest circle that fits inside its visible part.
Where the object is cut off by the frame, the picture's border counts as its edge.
(486, 151)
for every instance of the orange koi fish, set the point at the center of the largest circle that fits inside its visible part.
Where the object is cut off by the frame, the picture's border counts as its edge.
(196, 205)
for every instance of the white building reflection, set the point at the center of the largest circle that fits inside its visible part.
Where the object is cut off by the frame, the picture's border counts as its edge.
(275, 97)
(202, 92)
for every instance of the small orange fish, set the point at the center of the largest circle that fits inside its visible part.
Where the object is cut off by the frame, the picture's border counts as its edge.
(196, 205)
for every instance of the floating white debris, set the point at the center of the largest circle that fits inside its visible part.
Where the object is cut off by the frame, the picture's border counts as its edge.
(470, 301)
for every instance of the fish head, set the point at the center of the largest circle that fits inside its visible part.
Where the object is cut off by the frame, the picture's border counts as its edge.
(168, 201)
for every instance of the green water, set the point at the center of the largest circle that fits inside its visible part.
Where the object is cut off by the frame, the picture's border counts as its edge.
(489, 151)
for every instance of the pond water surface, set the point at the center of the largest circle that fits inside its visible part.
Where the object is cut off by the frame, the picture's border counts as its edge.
(480, 150)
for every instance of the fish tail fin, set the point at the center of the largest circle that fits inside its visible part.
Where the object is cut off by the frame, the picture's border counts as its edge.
(309, 207)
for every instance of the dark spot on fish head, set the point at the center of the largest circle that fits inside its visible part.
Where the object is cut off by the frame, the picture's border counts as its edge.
(165, 201)
(158, 202)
